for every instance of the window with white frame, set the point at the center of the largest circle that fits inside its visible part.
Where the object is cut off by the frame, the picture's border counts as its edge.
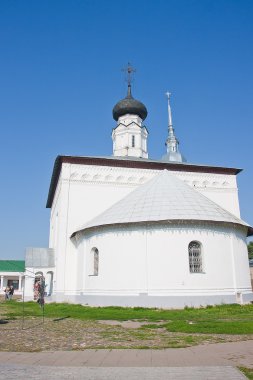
(195, 257)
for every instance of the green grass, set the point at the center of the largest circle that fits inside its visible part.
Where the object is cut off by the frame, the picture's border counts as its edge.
(223, 319)
(247, 372)
(234, 327)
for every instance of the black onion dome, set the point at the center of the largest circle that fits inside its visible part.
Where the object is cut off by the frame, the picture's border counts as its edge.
(129, 105)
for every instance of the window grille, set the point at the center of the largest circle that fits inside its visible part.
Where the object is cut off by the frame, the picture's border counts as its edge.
(195, 257)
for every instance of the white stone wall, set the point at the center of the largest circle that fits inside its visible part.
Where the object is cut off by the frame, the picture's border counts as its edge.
(153, 260)
(84, 191)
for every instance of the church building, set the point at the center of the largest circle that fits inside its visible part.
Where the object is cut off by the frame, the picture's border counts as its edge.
(128, 230)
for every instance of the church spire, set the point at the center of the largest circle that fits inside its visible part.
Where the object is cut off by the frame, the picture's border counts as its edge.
(169, 109)
(172, 142)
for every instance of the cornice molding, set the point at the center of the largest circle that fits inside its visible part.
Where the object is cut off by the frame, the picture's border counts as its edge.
(126, 163)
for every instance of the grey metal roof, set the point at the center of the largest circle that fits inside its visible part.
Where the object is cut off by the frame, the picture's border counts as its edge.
(163, 198)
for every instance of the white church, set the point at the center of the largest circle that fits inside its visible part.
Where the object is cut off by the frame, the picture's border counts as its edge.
(128, 230)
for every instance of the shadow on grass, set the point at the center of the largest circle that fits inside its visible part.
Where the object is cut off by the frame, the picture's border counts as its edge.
(3, 321)
(61, 319)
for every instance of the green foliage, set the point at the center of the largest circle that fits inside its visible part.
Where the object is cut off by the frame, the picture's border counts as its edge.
(250, 250)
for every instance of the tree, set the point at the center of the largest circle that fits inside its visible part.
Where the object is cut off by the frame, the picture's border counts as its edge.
(250, 250)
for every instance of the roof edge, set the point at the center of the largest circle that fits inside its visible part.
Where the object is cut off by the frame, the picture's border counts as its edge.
(170, 221)
(13, 266)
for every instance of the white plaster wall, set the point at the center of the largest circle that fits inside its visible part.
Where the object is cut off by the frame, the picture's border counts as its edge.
(122, 141)
(154, 260)
(58, 227)
(221, 273)
(241, 260)
(85, 191)
(118, 267)
(56, 206)
(128, 126)
(57, 230)
(29, 283)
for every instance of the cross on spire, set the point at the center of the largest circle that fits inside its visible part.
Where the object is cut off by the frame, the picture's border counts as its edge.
(168, 94)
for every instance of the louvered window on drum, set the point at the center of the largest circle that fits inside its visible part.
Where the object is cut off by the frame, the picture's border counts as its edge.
(195, 257)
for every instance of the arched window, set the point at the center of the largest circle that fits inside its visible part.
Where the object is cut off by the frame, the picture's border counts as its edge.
(95, 257)
(133, 141)
(195, 257)
(49, 283)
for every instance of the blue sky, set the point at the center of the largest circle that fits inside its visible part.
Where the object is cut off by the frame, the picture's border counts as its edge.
(60, 76)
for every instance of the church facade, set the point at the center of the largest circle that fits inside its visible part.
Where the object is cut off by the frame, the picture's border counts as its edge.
(132, 231)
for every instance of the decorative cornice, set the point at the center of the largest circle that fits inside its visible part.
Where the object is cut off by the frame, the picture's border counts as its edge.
(130, 163)
(126, 176)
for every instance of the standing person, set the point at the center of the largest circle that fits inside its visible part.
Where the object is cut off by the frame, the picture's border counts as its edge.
(6, 290)
(11, 292)
(36, 289)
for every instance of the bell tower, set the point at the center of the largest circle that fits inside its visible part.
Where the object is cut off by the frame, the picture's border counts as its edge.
(130, 136)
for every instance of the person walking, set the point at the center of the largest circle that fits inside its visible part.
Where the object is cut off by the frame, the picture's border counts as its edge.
(11, 292)
(6, 291)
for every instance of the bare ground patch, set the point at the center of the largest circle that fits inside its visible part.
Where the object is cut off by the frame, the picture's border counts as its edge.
(33, 335)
